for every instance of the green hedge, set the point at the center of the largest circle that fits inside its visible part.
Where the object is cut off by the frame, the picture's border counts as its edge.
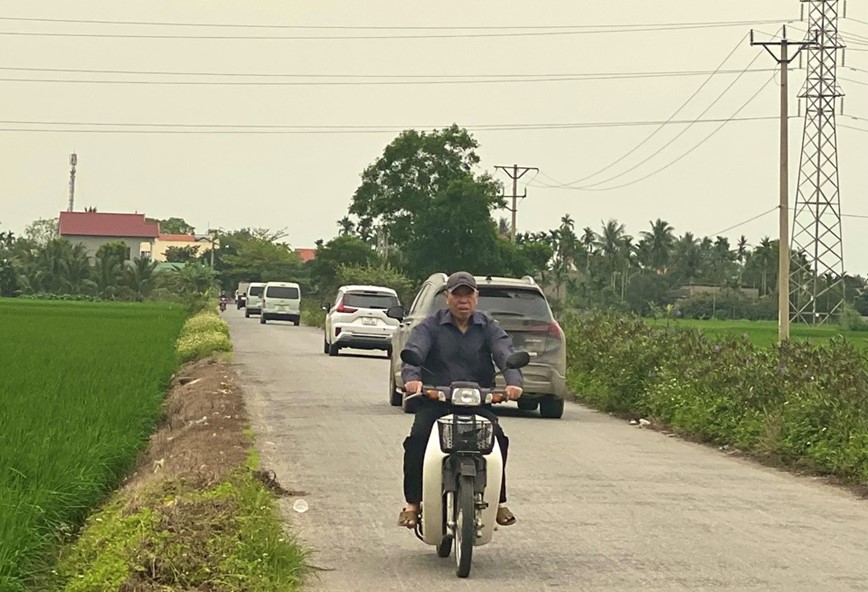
(801, 404)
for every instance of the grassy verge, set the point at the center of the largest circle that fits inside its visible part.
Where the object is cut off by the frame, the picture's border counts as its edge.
(803, 406)
(312, 314)
(80, 394)
(176, 536)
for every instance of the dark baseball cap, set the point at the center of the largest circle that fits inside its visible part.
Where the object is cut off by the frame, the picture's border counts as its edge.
(458, 279)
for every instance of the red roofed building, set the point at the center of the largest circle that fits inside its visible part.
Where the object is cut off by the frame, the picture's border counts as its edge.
(306, 254)
(95, 229)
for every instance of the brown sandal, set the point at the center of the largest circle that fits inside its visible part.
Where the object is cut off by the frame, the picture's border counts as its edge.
(505, 517)
(408, 518)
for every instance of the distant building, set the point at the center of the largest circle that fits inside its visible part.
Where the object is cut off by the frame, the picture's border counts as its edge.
(691, 290)
(166, 241)
(94, 229)
(306, 254)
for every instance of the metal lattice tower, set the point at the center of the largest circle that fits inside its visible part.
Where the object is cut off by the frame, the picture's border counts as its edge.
(817, 269)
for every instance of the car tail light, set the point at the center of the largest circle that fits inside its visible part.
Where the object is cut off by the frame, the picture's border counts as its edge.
(551, 330)
(342, 308)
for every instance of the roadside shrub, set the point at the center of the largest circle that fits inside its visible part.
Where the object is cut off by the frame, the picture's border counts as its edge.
(802, 404)
(312, 314)
(202, 335)
(204, 322)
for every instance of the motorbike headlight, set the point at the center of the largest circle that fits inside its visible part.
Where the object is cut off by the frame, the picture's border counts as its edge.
(466, 434)
(466, 397)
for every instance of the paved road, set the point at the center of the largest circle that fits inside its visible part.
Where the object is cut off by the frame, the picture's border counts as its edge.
(601, 505)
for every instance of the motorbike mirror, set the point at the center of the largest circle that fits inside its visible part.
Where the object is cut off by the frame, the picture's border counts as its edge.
(396, 312)
(519, 359)
(408, 356)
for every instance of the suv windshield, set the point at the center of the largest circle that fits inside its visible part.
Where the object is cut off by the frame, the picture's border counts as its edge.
(255, 290)
(507, 302)
(282, 292)
(370, 300)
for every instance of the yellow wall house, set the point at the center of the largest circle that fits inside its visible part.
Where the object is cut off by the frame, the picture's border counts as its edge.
(164, 241)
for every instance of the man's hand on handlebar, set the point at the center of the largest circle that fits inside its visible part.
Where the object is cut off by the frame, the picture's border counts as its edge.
(513, 392)
(413, 387)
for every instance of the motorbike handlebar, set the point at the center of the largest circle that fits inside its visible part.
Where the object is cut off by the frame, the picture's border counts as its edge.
(444, 394)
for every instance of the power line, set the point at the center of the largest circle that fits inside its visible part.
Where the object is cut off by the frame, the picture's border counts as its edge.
(665, 73)
(766, 213)
(655, 132)
(595, 186)
(684, 155)
(461, 81)
(372, 27)
(546, 33)
(181, 128)
(748, 221)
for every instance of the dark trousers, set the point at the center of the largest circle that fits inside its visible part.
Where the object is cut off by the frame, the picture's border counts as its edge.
(427, 415)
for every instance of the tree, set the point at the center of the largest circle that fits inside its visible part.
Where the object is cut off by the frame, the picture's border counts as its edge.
(348, 251)
(347, 226)
(42, 230)
(182, 254)
(456, 232)
(658, 245)
(117, 249)
(139, 277)
(610, 244)
(175, 226)
(413, 170)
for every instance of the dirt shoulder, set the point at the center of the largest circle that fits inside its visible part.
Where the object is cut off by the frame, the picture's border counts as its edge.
(197, 513)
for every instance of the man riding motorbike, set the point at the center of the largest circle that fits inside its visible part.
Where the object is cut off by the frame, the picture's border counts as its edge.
(456, 344)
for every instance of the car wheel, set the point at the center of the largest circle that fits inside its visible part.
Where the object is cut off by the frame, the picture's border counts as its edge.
(296, 322)
(395, 398)
(261, 319)
(246, 314)
(527, 404)
(325, 345)
(333, 349)
(389, 353)
(551, 407)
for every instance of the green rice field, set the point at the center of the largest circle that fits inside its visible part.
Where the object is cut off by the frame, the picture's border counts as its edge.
(766, 332)
(80, 393)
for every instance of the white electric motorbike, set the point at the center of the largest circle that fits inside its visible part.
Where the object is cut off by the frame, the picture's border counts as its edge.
(461, 474)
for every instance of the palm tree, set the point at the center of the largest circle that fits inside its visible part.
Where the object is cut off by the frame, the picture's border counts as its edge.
(660, 241)
(140, 277)
(588, 240)
(765, 257)
(346, 225)
(741, 255)
(687, 262)
(610, 243)
(504, 229)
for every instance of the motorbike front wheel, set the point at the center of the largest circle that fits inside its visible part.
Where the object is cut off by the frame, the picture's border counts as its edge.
(465, 526)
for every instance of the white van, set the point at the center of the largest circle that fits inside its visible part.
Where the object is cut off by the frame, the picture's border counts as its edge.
(254, 299)
(281, 300)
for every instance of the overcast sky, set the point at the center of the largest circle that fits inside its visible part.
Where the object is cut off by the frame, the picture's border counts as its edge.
(304, 181)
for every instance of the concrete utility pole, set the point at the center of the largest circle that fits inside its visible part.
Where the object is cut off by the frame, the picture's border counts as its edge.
(784, 207)
(515, 175)
(73, 160)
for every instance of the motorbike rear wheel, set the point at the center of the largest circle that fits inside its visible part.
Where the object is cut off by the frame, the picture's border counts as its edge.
(465, 526)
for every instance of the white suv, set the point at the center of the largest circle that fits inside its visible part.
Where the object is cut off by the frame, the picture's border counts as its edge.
(358, 319)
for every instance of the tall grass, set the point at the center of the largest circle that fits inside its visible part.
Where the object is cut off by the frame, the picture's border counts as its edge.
(80, 393)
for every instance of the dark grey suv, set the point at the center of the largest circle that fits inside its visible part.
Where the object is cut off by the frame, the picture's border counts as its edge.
(521, 308)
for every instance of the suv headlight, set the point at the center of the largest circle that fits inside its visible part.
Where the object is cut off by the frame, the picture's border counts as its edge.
(466, 397)
(466, 434)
